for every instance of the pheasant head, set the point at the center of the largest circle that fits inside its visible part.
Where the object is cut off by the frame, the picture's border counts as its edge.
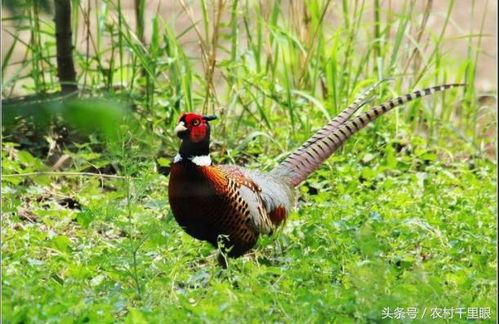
(194, 131)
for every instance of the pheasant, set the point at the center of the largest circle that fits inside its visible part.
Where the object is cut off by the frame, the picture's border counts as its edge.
(231, 206)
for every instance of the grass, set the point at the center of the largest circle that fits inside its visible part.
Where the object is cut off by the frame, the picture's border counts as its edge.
(403, 216)
(396, 231)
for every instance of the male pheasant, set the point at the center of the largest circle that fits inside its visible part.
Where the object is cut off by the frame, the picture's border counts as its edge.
(232, 205)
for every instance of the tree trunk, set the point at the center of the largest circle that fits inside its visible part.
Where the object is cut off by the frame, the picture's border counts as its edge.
(65, 66)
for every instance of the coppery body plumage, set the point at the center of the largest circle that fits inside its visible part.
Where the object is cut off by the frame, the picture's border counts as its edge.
(233, 205)
(215, 203)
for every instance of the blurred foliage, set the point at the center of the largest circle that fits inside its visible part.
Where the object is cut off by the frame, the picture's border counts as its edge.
(16, 6)
(73, 119)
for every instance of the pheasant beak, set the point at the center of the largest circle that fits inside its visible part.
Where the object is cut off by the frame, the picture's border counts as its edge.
(180, 129)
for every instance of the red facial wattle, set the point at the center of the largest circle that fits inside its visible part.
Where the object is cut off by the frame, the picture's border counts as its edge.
(198, 133)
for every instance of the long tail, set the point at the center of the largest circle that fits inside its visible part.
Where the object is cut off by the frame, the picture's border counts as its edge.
(296, 168)
(358, 103)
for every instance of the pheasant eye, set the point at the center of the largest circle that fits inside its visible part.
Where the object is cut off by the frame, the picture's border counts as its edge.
(195, 122)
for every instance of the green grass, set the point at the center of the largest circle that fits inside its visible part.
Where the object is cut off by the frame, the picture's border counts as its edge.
(374, 229)
(403, 216)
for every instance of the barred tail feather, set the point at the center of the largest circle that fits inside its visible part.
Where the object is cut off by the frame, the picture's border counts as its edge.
(307, 159)
(340, 119)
